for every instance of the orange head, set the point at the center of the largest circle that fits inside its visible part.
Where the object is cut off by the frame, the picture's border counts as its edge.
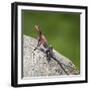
(37, 28)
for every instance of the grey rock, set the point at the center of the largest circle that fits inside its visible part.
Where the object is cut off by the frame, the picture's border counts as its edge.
(35, 63)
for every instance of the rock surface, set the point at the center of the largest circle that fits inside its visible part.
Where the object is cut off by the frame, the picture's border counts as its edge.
(36, 64)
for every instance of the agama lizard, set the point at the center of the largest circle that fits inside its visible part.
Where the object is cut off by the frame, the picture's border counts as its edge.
(48, 49)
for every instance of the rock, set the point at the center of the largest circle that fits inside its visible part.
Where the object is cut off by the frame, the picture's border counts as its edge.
(36, 64)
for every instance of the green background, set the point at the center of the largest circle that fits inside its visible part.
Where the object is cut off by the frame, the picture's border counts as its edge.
(62, 31)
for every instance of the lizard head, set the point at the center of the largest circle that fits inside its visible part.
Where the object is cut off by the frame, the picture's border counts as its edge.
(37, 28)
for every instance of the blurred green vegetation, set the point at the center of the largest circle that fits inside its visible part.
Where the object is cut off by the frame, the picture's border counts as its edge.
(62, 31)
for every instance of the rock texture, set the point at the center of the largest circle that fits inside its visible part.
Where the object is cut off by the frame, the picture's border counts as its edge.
(36, 64)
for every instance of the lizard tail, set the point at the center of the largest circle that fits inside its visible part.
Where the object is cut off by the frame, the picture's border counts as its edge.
(60, 65)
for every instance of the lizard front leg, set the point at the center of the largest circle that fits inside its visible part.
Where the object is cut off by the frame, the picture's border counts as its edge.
(39, 43)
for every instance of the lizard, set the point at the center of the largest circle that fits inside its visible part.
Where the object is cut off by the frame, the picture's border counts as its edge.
(41, 38)
(49, 49)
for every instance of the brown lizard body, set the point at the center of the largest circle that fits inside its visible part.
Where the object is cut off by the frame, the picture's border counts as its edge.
(41, 39)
